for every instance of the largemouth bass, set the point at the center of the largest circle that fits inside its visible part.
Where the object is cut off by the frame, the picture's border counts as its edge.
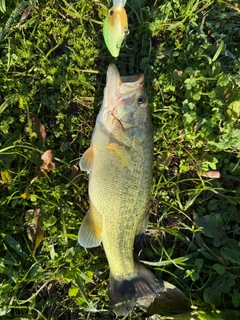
(119, 161)
(115, 27)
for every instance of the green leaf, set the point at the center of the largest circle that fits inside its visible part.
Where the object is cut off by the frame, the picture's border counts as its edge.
(73, 291)
(233, 110)
(5, 310)
(15, 246)
(236, 297)
(9, 102)
(219, 268)
(213, 294)
(212, 228)
(2, 6)
(231, 255)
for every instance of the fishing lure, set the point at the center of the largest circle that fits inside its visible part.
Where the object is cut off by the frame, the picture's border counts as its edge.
(115, 27)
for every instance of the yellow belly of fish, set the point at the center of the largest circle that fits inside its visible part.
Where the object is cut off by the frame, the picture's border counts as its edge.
(122, 198)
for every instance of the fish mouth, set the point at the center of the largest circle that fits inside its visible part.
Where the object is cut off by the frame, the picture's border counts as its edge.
(113, 81)
(136, 80)
(118, 86)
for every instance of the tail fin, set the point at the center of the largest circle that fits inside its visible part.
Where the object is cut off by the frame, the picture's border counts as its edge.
(126, 291)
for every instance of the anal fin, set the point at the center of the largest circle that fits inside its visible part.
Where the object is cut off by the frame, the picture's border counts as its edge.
(90, 232)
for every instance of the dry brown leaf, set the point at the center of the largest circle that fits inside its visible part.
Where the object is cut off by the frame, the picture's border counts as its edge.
(34, 228)
(47, 165)
(182, 134)
(177, 75)
(210, 174)
(74, 175)
(38, 127)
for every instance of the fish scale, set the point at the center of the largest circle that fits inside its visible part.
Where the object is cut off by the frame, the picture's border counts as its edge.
(120, 162)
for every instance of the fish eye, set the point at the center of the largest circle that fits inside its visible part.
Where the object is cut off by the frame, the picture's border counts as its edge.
(141, 100)
(126, 32)
(111, 12)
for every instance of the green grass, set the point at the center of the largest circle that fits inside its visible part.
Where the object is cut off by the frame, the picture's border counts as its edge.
(53, 64)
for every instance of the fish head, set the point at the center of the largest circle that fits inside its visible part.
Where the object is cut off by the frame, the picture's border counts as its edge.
(124, 112)
(115, 29)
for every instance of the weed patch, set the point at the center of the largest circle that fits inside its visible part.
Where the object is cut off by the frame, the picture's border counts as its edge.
(52, 74)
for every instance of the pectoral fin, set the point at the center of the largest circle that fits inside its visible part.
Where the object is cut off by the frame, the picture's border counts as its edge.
(90, 232)
(86, 162)
(122, 155)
